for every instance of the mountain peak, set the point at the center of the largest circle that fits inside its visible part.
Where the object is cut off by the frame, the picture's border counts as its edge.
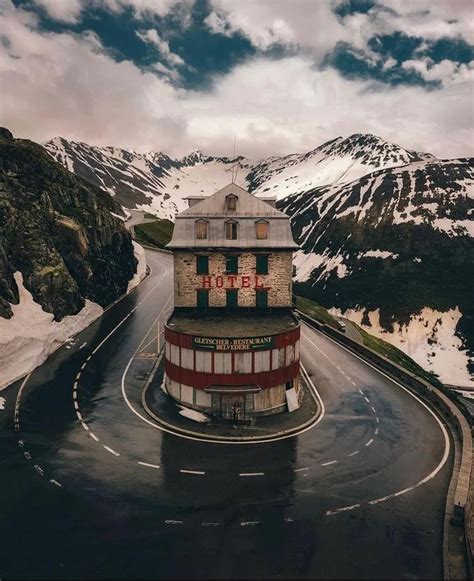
(194, 157)
(370, 149)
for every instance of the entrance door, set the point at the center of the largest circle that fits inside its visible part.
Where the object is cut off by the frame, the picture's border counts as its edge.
(233, 407)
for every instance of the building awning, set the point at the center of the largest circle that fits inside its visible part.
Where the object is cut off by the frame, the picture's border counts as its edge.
(232, 389)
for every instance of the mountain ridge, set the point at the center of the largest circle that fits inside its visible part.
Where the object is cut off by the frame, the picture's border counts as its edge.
(385, 232)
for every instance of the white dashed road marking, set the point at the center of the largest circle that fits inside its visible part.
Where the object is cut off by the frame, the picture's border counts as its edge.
(369, 442)
(301, 469)
(249, 523)
(199, 472)
(173, 522)
(111, 451)
(353, 453)
(329, 463)
(148, 465)
(251, 473)
(344, 509)
(93, 436)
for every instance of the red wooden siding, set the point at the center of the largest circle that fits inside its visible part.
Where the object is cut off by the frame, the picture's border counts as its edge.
(200, 380)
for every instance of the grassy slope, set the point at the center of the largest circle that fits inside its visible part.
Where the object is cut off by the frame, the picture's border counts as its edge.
(156, 233)
(317, 312)
(382, 347)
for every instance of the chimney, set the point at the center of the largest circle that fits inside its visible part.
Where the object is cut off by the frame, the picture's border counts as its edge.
(193, 200)
(270, 201)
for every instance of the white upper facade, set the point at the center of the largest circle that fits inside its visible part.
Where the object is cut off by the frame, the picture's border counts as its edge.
(232, 218)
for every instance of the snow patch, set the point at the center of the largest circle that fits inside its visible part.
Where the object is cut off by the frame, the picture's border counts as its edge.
(123, 218)
(305, 264)
(454, 227)
(377, 254)
(429, 338)
(31, 334)
(141, 266)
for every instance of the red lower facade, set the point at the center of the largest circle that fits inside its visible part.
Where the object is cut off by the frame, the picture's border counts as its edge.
(233, 375)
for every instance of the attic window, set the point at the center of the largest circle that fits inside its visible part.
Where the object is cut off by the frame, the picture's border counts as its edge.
(231, 230)
(202, 229)
(231, 202)
(261, 229)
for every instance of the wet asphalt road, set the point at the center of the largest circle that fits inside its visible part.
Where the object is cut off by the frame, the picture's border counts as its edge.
(112, 496)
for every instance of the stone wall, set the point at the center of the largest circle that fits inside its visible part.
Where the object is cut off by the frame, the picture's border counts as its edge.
(278, 281)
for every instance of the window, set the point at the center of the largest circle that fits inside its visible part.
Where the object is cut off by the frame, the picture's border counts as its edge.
(231, 230)
(232, 300)
(202, 229)
(202, 299)
(261, 299)
(223, 363)
(203, 361)
(231, 202)
(232, 264)
(261, 263)
(202, 264)
(243, 362)
(261, 229)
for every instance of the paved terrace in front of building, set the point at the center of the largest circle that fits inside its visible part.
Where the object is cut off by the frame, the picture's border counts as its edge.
(236, 324)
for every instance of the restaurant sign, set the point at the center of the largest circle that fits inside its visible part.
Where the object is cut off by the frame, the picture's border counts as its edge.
(234, 344)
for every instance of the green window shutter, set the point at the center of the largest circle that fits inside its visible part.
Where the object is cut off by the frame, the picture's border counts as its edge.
(261, 263)
(232, 264)
(202, 264)
(202, 299)
(232, 299)
(261, 299)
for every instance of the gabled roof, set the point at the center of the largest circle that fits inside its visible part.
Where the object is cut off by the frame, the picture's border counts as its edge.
(247, 205)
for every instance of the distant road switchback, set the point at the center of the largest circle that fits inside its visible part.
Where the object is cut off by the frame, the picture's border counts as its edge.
(91, 487)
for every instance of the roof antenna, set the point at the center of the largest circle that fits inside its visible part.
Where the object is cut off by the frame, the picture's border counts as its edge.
(235, 166)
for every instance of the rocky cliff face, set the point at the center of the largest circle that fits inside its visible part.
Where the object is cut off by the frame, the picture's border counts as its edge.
(59, 232)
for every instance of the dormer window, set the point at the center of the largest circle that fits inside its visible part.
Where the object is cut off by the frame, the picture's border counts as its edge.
(261, 229)
(202, 229)
(231, 230)
(231, 203)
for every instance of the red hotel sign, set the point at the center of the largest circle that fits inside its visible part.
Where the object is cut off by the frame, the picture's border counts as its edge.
(230, 281)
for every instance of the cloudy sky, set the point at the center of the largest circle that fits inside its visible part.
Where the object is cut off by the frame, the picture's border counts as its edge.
(281, 76)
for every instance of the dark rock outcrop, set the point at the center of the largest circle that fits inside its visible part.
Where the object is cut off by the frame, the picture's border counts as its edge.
(58, 231)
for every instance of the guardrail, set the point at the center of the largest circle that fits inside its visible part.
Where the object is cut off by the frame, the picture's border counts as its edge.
(461, 510)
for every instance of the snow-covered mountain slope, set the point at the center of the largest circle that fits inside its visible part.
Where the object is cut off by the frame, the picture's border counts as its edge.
(151, 181)
(398, 242)
(157, 183)
(336, 162)
(385, 231)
